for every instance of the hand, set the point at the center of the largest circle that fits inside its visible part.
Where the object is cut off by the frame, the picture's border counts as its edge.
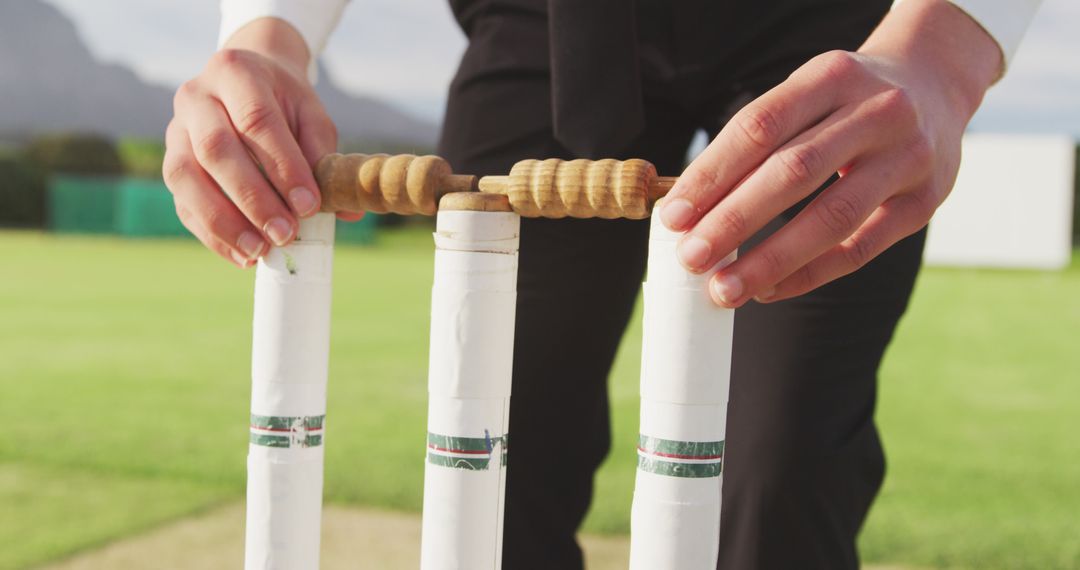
(242, 144)
(888, 119)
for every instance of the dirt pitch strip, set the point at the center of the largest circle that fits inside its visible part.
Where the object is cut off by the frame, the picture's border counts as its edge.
(371, 538)
(351, 538)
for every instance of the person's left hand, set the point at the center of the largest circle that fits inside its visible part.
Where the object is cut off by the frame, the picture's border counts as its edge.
(888, 119)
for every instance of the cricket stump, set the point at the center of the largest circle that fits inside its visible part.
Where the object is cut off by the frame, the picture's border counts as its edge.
(685, 374)
(290, 353)
(473, 302)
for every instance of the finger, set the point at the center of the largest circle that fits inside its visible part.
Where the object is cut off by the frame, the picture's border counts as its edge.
(761, 127)
(789, 175)
(317, 136)
(897, 218)
(201, 207)
(265, 130)
(829, 219)
(225, 158)
(350, 216)
(197, 229)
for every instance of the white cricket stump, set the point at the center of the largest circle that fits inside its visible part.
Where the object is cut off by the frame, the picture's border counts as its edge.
(685, 373)
(290, 354)
(472, 343)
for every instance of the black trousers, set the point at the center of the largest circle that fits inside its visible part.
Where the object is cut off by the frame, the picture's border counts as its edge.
(803, 460)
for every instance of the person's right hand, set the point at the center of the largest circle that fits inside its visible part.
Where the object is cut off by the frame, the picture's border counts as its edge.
(242, 144)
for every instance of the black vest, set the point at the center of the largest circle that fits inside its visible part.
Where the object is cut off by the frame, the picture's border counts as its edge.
(603, 54)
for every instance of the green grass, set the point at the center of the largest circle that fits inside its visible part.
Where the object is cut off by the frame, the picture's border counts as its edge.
(124, 395)
(49, 511)
(980, 411)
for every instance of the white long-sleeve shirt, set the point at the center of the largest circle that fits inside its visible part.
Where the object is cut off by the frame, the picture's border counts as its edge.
(314, 19)
(1005, 20)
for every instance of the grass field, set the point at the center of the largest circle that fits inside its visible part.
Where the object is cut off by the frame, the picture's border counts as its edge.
(124, 397)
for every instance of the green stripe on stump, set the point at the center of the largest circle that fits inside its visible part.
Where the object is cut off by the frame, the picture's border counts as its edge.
(673, 458)
(285, 441)
(688, 449)
(441, 450)
(454, 443)
(468, 463)
(685, 470)
(292, 431)
(287, 422)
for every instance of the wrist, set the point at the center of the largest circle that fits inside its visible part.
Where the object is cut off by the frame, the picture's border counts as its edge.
(275, 39)
(944, 45)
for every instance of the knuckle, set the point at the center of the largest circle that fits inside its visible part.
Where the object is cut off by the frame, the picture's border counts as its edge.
(732, 222)
(701, 182)
(286, 172)
(773, 262)
(255, 118)
(898, 102)
(174, 169)
(218, 221)
(247, 197)
(187, 219)
(858, 251)
(215, 145)
(229, 59)
(285, 168)
(801, 163)
(837, 65)
(182, 213)
(760, 127)
(289, 172)
(188, 90)
(925, 203)
(839, 213)
(920, 151)
(257, 202)
(172, 130)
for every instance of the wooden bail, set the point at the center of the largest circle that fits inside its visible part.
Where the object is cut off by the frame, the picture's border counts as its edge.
(475, 202)
(407, 184)
(401, 184)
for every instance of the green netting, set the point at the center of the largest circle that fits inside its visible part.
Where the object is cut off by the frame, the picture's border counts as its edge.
(145, 209)
(82, 204)
(140, 207)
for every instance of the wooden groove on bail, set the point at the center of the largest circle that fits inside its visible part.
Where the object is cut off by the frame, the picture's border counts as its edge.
(475, 202)
(553, 188)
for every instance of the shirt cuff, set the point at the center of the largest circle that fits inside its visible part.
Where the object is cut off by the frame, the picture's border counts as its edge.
(1005, 21)
(313, 19)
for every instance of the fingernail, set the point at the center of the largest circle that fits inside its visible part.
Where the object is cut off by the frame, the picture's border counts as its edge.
(677, 214)
(279, 230)
(302, 200)
(251, 244)
(765, 295)
(727, 289)
(240, 260)
(694, 253)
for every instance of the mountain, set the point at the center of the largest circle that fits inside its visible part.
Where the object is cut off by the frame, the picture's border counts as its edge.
(49, 81)
(368, 119)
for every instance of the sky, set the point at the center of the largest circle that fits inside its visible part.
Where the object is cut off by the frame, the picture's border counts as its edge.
(169, 41)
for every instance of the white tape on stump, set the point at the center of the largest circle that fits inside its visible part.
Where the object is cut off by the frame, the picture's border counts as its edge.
(290, 353)
(472, 345)
(685, 372)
